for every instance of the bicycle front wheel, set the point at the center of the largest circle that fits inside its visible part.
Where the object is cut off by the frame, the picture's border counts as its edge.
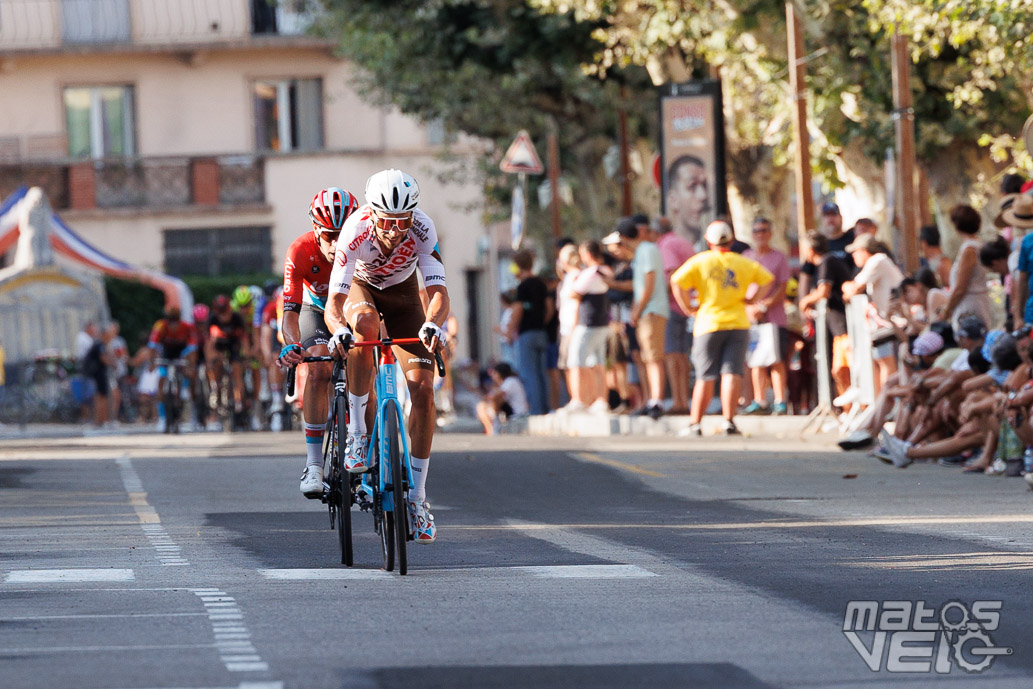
(400, 509)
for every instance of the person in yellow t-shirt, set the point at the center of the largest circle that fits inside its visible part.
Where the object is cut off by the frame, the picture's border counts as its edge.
(721, 333)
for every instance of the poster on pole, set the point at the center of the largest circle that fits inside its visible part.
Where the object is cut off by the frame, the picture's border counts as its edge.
(692, 157)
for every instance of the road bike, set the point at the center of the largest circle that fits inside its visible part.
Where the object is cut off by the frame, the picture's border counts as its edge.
(384, 488)
(171, 391)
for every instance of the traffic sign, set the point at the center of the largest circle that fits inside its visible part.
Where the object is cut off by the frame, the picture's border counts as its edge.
(521, 156)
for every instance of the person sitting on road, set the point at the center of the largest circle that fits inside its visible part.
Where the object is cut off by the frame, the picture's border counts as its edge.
(505, 402)
(306, 284)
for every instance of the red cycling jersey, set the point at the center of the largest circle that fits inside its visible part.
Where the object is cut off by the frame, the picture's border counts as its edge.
(178, 334)
(306, 274)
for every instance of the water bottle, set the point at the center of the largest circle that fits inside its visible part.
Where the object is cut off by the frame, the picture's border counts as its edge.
(1027, 461)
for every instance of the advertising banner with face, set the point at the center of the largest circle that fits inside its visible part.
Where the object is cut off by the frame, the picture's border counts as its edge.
(692, 152)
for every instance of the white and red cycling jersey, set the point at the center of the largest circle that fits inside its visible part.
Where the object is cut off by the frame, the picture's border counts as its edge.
(359, 255)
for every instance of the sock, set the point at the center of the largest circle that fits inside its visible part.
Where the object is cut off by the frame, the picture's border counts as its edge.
(418, 491)
(314, 444)
(357, 413)
(653, 402)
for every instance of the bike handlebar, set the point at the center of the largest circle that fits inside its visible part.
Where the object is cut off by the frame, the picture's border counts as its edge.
(386, 342)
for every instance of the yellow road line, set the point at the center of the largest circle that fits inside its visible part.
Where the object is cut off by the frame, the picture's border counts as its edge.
(592, 457)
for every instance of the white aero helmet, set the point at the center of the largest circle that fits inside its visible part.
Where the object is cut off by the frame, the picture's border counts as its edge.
(392, 191)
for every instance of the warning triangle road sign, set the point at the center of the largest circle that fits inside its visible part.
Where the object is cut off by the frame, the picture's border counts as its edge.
(521, 156)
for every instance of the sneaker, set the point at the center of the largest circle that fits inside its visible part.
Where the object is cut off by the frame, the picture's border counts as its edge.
(423, 529)
(599, 407)
(356, 453)
(161, 426)
(856, 440)
(312, 481)
(655, 412)
(621, 408)
(575, 406)
(694, 431)
(276, 423)
(730, 428)
(882, 454)
(955, 461)
(897, 450)
(780, 409)
(256, 423)
(755, 409)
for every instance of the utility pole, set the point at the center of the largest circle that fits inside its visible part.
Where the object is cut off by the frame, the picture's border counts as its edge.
(554, 180)
(797, 74)
(904, 119)
(622, 132)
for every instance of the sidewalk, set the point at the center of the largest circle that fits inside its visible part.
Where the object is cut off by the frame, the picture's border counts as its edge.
(578, 424)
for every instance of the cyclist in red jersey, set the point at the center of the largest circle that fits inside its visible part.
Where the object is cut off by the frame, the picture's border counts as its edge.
(306, 282)
(173, 338)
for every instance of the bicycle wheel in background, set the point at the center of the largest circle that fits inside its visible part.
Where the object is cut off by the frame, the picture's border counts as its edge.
(342, 491)
(400, 510)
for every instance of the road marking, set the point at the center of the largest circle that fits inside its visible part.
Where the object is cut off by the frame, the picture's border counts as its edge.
(168, 553)
(232, 638)
(336, 574)
(589, 572)
(46, 576)
(129, 615)
(592, 457)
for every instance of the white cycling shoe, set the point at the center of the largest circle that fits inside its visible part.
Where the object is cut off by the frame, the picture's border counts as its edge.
(312, 481)
(356, 453)
(423, 529)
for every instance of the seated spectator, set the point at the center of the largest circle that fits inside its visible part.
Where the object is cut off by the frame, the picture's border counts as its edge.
(505, 401)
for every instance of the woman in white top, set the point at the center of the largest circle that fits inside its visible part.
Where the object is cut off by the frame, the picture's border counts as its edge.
(568, 267)
(969, 293)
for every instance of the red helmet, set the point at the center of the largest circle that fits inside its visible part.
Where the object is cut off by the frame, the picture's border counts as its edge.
(220, 302)
(330, 208)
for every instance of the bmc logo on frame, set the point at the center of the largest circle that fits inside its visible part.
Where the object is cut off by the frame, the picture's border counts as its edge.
(906, 636)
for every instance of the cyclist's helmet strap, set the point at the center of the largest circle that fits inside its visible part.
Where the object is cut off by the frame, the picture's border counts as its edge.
(331, 207)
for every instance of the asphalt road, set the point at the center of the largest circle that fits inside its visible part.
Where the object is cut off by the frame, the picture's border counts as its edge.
(154, 561)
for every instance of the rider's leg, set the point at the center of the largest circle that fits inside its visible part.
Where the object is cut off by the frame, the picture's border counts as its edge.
(366, 326)
(421, 428)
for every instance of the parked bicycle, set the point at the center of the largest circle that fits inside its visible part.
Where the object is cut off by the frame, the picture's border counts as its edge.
(383, 489)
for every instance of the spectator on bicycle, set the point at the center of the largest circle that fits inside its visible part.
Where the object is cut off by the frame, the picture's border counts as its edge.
(173, 338)
(374, 273)
(306, 283)
(226, 335)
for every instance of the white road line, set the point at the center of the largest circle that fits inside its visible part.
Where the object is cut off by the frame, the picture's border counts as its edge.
(168, 553)
(232, 638)
(46, 576)
(129, 615)
(351, 574)
(589, 572)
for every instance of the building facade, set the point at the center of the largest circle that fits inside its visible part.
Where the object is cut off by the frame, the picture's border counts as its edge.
(191, 136)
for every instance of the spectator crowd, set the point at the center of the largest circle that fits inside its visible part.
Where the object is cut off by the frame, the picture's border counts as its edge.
(651, 321)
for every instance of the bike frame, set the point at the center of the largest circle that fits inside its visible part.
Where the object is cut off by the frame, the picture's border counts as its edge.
(386, 386)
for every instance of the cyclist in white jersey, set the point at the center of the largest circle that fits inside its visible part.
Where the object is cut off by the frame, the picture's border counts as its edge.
(381, 246)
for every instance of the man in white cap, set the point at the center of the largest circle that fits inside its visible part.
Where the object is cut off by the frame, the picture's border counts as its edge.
(721, 332)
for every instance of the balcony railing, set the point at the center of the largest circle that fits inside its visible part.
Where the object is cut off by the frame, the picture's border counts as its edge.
(44, 25)
(159, 183)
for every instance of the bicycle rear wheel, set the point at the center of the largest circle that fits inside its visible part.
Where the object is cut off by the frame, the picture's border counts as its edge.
(400, 510)
(342, 489)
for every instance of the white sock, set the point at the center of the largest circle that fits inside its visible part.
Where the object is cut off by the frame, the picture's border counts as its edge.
(314, 444)
(357, 413)
(653, 402)
(418, 491)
